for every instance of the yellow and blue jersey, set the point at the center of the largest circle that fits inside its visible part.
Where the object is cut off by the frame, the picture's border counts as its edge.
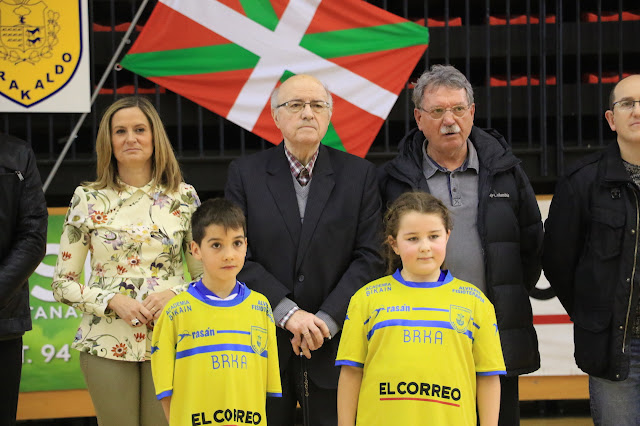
(217, 359)
(421, 346)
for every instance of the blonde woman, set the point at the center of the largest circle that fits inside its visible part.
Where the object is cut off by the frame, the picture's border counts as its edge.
(135, 220)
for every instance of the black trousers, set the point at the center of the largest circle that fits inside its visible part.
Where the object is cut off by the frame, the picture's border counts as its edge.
(509, 401)
(11, 362)
(322, 403)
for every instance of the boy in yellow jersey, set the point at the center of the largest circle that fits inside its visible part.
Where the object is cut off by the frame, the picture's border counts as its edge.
(214, 357)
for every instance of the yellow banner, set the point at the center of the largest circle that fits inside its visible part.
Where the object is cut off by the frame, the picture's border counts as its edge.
(41, 47)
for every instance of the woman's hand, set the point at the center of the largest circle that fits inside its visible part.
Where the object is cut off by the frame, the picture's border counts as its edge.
(156, 301)
(130, 310)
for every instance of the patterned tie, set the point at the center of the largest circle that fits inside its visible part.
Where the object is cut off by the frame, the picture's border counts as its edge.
(303, 177)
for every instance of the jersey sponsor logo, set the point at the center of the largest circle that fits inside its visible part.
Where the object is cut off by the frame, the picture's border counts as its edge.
(377, 288)
(178, 308)
(40, 48)
(472, 291)
(396, 308)
(258, 339)
(422, 336)
(459, 318)
(399, 308)
(196, 334)
(183, 335)
(229, 415)
(225, 361)
(376, 312)
(413, 391)
(263, 307)
(203, 333)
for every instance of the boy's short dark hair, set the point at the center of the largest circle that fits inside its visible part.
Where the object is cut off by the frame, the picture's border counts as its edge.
(217, 211)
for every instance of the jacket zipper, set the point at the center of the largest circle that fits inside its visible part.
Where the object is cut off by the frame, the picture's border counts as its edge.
(633, 272)
(19, 174)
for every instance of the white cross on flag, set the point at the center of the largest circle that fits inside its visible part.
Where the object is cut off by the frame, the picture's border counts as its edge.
(229, 55)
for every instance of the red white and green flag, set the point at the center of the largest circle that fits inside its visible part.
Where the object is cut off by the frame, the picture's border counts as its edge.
(229, 55)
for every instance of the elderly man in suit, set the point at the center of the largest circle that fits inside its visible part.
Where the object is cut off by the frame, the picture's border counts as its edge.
(314, 228)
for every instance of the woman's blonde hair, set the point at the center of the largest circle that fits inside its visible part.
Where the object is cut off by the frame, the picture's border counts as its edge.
(165, 169)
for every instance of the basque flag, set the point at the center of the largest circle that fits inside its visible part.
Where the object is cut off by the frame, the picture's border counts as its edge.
(229, 55)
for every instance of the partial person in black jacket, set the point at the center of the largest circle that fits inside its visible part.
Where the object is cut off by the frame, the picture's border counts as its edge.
(23, 240)
(496, 241)
(314, 230)
(591, 250)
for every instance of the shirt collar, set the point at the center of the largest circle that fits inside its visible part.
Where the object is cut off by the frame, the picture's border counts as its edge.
(129, 190)
(431, 167)
(296, 166)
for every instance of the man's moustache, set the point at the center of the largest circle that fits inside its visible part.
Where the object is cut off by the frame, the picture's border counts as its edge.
(454, 128)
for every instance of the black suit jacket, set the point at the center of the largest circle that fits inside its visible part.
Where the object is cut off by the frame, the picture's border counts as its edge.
(321, 263)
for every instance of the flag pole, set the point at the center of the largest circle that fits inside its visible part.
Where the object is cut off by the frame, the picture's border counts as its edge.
(76, 129)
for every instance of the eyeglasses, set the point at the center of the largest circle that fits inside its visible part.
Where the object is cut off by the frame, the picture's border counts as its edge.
(297, 106)
(626, 104)
(438, 112)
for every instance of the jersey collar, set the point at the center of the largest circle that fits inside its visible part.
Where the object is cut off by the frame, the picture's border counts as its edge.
(200, 291)
(445, 278)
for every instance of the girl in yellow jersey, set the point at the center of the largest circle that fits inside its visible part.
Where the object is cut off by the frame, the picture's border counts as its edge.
(419, 346)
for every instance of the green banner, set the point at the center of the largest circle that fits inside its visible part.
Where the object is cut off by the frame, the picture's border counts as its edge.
(48, 362)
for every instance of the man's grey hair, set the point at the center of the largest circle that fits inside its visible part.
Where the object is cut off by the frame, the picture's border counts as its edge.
(274, 96)
(441, 76)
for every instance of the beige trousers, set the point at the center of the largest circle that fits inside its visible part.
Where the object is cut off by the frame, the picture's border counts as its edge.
(122, 392)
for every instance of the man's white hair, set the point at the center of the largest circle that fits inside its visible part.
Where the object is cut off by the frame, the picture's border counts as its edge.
(276, 91)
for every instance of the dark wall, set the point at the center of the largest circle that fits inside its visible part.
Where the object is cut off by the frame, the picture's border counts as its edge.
(544, 86)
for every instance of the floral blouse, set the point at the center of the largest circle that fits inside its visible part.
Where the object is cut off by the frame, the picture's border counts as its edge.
(135, 237)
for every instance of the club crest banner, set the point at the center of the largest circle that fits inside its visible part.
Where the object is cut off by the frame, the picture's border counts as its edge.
(44, 65)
